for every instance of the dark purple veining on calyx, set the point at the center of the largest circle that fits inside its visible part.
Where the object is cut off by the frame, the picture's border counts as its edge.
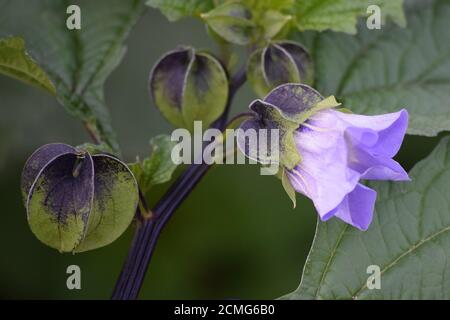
(38, 160)
(279, 110)
(67, 186)
(201, 73)
(293, 99)
(301, 58)
(107, 169)
(65, 192)
(170, 74)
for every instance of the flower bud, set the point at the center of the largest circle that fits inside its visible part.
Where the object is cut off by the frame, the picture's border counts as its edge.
(76, 201)
(187, 86)
(232, 21)
(278, 63)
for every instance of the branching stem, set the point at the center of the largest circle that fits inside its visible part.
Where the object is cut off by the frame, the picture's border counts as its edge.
(144, 242)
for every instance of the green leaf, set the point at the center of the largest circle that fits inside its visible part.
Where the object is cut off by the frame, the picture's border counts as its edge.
(381, 71)
(159, 167)
(341, 15)
(16, 63)
(409, 239)
(77, 61)
(232, 21)
(177, 9)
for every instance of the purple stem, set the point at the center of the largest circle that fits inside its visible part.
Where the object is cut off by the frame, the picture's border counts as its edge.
(144, 242)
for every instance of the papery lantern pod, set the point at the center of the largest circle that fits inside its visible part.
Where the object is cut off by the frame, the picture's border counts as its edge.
(189, 85)
(77, 201)
(278, 63)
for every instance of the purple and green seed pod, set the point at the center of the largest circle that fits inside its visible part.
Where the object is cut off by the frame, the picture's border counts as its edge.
(76, 201)
(187, 86)
(278, 63)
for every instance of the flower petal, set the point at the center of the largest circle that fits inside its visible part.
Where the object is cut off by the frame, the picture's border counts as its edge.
(356, 208)
(337, 151)
(323, 174)
(381, 135)
(377, 168)
(372, 147)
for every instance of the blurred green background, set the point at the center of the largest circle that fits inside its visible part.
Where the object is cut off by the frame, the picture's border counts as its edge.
(236, 236)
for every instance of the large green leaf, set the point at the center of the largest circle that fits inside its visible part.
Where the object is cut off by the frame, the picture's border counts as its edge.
(77, 61)
(341, 15)
(16, 63)
(177, 9)
(380, 71)
(409, 239)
